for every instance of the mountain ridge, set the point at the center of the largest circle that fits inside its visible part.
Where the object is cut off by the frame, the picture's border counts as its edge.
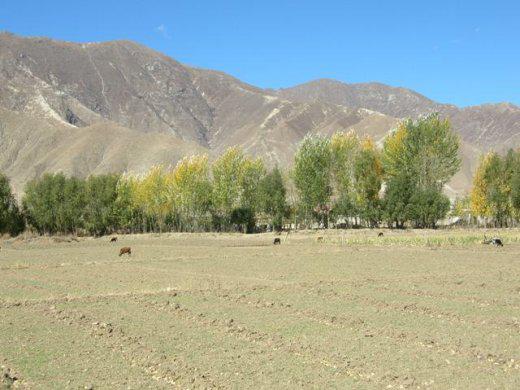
(123, 88)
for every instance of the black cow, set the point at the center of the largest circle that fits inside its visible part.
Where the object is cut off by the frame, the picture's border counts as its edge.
(494, 241)
(497, 241)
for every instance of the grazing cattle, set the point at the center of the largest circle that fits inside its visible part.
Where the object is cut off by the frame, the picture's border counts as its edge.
(494, 241)
(380, 234)
(277, 241)
(497, 241)
(319, 239)
(113, 239)
(125, 250)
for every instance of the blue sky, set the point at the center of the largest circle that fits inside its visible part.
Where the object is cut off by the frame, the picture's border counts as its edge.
(460, 52)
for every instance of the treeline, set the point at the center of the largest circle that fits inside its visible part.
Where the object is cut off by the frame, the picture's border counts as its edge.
(352, 180)
(233, 193)
(343, 181)
(495, 197)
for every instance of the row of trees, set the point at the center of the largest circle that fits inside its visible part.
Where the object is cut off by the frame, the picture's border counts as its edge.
(233, 193)
(59, 204)
(343, 179)
(495, 196)
(352, 180)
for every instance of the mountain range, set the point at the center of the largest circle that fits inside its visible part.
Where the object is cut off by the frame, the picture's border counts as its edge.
(122, 107)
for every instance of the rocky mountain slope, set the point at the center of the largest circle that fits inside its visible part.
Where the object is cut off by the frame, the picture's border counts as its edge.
(488, 126)
(396, 102)
(119, 106)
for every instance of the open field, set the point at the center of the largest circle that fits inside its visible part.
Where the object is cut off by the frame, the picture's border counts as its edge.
(408, 310)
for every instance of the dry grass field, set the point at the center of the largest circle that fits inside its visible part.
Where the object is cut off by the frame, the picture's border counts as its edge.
(411, 309)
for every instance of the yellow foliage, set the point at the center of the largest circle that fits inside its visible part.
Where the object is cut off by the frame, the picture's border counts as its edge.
(368, 145)
(344, 142)
(235, 178)
(479, 203)
(188, 183)
(394, 150)
(344, 148)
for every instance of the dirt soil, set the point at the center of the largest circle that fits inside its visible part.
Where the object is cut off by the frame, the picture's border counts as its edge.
(236, 311)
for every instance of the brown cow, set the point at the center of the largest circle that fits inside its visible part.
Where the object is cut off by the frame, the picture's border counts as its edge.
(380, 234)
(319, 239)
(113, 239)
(125, 249)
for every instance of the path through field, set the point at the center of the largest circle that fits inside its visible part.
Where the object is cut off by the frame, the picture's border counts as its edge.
(233, 311)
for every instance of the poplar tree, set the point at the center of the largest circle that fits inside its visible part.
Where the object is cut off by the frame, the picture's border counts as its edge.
(190, 186)
(312, 175)
(236, 178)
(344, 149)
(272, 198)
(423, 156)
(368, 174)
(100, 214)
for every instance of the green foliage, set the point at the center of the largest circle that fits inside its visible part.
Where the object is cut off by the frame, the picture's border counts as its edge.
(419, 159)
(100, 214)
(251, 174)
(479, 202)
(272, 198)
(151, 194)
(236, 178)
(344, 149)
(129, 215)
(497, 177)
(191, 189)
(244, 217)
(496, 188)
(430, 152)
(312, 174)
(427, 207)
(341, 177)
(368, 174)
(55, 203)
(515, 188)
(226, 181)
(11, 220)
(58, 204)
(397, 201)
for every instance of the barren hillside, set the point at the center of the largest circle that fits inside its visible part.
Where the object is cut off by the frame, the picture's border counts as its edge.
(120, 106)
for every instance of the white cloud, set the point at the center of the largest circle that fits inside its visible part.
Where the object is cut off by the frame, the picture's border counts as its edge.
(163, 30)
